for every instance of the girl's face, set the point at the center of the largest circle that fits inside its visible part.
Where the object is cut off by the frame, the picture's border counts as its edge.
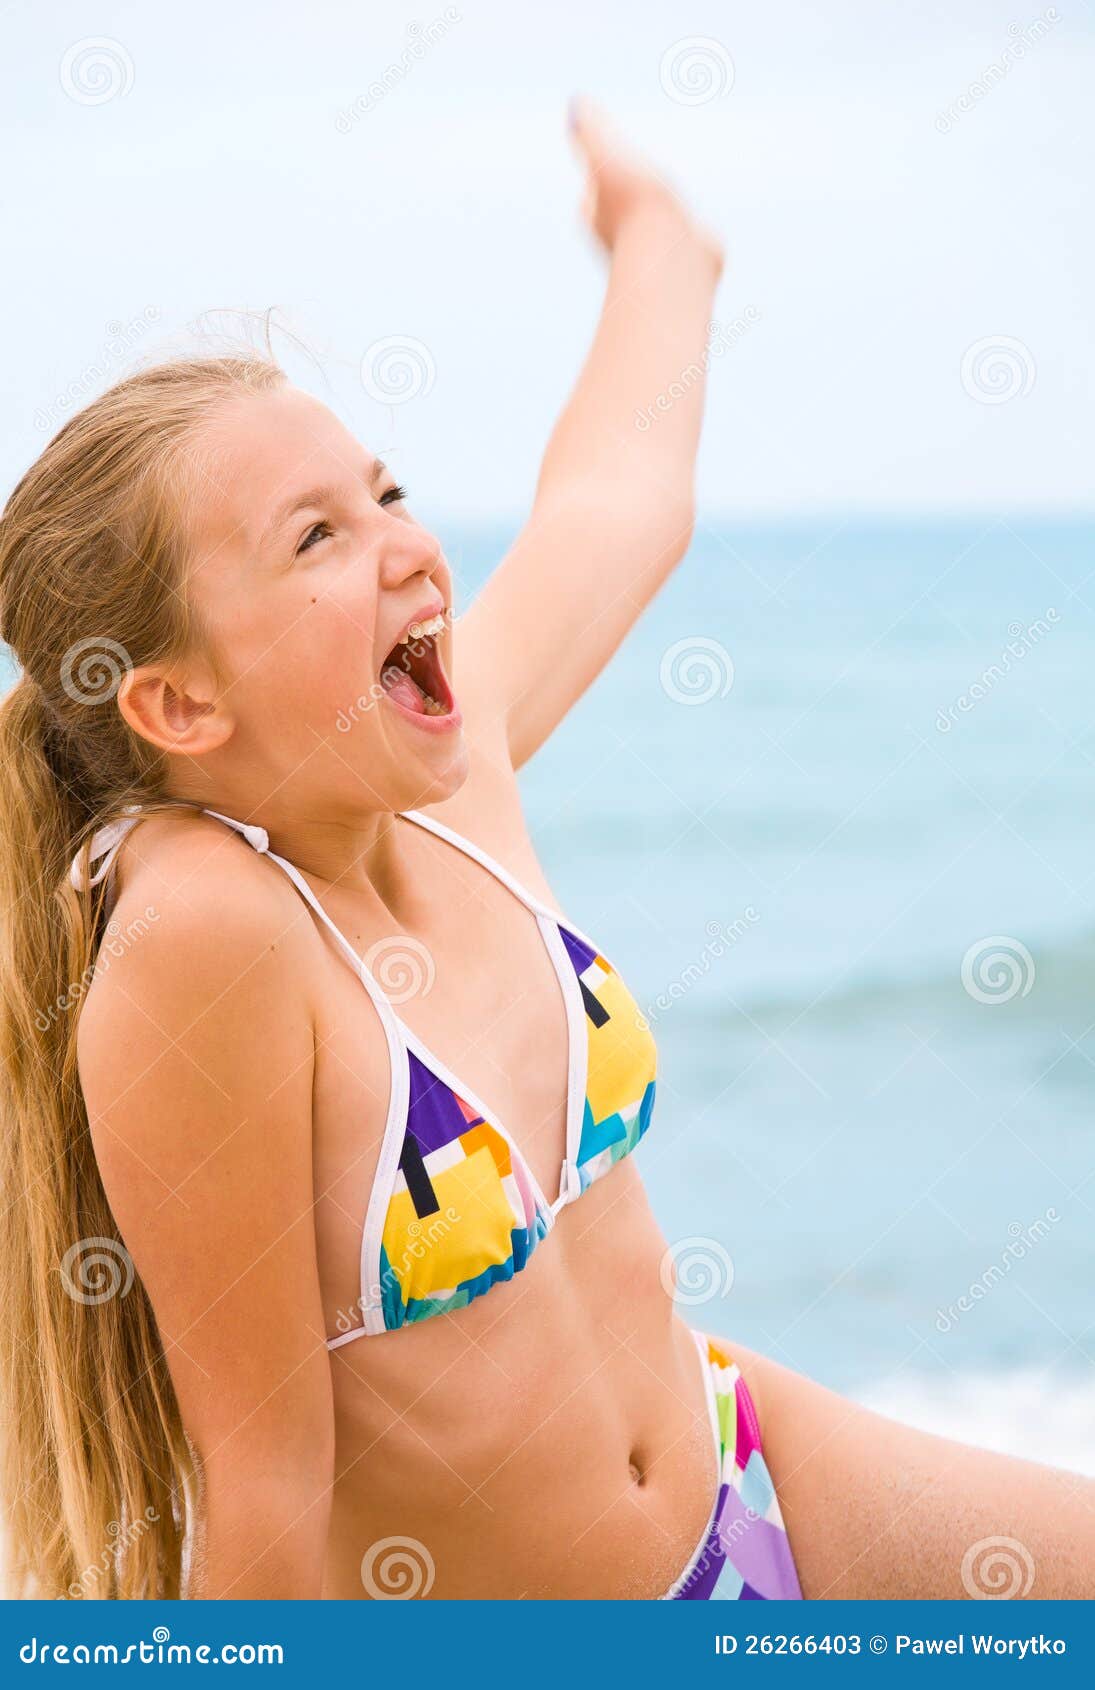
(329, 612)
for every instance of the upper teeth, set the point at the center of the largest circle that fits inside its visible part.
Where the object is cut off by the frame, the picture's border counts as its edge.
(425, 630)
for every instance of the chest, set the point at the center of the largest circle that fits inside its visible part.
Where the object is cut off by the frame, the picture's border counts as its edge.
(514, 1047)
(481, 994)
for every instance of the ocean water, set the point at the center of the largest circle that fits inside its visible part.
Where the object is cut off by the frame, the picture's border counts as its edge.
(833, 761)
(831, 809)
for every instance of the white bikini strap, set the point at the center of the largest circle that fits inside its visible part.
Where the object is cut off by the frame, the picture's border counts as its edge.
(259, 840)
(104, 845)
(399, 1096)
(535, 904)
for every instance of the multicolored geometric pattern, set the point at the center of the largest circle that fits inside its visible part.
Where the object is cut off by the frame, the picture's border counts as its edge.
(746, 1556)
(623, 1059)
(465, 1213)
(462, 1214)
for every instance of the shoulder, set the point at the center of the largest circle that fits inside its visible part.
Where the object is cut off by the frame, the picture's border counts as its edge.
(207, 960)
(190, 888)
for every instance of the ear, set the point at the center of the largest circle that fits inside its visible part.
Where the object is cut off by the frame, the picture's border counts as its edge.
(176, 711)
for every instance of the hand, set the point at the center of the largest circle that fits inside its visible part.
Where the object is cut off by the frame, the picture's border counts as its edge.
(619, 185)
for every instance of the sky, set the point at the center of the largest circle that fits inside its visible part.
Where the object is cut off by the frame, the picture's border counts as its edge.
(908, 232)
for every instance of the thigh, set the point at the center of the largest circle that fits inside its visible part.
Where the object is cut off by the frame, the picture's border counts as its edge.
(875, 1509)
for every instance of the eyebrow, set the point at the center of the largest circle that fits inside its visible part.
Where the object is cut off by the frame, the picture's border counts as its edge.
(323, 494)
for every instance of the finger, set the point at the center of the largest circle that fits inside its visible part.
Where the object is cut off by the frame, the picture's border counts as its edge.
(589, 133)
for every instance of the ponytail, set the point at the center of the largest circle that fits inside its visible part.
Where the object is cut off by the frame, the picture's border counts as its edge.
(92, 1448)
(98, 1480)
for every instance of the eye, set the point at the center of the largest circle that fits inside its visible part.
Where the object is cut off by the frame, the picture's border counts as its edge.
(318, 531)
(393, 496)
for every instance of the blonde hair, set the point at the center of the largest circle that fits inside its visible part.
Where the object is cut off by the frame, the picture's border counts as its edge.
(96, 1472)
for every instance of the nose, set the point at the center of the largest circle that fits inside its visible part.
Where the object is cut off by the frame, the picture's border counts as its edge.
(407, 550)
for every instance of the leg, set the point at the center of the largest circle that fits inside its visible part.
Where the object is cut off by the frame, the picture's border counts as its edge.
(875, 1509)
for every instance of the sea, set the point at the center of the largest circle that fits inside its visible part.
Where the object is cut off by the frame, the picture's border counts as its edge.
(830, 809)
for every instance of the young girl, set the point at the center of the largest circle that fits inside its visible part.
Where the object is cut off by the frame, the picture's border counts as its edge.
(312, 1289)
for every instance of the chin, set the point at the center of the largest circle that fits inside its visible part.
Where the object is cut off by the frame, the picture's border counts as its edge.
(436, 784)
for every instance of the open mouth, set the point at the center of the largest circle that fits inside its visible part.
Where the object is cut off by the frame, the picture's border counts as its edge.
(412, 674)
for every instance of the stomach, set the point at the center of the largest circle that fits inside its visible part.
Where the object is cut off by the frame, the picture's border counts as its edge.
(551, 1440)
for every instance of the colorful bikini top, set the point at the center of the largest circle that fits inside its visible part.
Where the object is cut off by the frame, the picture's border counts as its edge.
(455, 1209)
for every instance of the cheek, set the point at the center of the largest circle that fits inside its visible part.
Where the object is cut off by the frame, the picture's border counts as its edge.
(300, 664)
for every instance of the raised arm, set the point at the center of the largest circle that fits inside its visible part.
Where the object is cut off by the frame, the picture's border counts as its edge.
(613, 510)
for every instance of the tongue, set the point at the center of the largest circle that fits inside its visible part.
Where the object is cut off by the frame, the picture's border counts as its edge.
(404, 690)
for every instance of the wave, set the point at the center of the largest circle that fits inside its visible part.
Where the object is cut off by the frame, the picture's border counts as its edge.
(1060, 978)
(1043, 1416)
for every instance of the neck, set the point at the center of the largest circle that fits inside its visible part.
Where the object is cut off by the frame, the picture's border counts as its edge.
(351, 847)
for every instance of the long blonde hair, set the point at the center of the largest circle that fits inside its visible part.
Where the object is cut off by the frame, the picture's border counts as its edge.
(96, 1471)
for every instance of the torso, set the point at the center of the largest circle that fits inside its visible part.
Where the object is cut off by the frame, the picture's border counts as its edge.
(552, 1438)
